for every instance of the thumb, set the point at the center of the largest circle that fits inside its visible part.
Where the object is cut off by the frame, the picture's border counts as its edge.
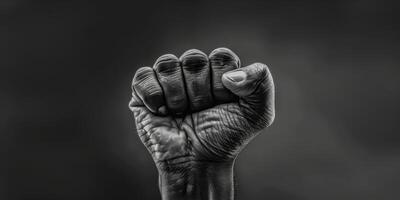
(255, 87)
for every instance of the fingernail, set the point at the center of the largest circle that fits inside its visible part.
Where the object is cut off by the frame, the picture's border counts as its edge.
(162, 110)
(236, 76)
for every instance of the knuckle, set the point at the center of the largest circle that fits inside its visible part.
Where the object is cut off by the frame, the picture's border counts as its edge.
(224, 56)
(167, 63)
(221, 49)
(195, 63)
(266, 74)
(260, 70)
(166, 58)
(144, 85)
(192, 52)
(193, 58)
(142, 74)
(261, 67)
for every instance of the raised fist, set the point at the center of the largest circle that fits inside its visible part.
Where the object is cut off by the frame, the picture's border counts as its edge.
(198, 111)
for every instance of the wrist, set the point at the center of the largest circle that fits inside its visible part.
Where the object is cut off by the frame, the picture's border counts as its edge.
(203, 180)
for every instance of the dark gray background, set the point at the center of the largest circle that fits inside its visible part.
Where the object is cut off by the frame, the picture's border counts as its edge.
(66, 68)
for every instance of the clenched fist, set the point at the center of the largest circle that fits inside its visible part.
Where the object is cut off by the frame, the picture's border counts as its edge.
(195, 113)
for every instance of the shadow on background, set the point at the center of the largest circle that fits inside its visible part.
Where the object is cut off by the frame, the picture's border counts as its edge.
(66, 68)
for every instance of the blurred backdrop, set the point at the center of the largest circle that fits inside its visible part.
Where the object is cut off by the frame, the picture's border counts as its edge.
(66, 69)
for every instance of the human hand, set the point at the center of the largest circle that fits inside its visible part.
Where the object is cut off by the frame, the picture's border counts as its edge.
(194, 114)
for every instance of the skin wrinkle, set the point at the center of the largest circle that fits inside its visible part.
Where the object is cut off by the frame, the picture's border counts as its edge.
(145, 140)
(135, 101)
(218, 68)
(185, 88)
(177, 157)
(146, 86)
(213, 148)
(154, 135)
(147, 125)
(165, 68)
(169, 73)
(199, 139)
(211, 81)
(150, 130)
(223, 153)
(196, 70)
(188, 147)
(210, 130)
